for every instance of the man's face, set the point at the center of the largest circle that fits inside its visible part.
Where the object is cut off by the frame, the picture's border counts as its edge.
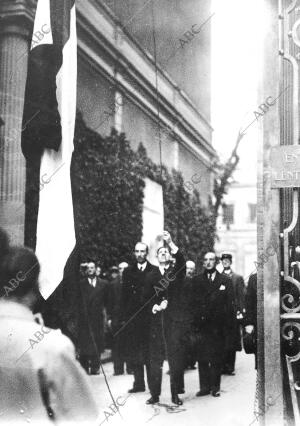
(190, 270)
(140, 252)
(114, 274)
(209, 261)
(121, 270)
(98, 271)
(163, 256)
(226, 263)
(91, 269)
(122, 266)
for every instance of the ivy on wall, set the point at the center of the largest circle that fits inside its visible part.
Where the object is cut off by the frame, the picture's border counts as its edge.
(108, 184)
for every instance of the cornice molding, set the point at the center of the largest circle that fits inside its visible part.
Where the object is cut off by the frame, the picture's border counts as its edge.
(183, 134)
(98, 34)
(147, 55)
(16, 17)
(111, 51)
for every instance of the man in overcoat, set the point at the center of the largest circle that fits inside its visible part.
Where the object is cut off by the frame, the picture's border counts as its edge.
(95, 297)
(169, 320)
(41, 381)
(190, 358)
(238, 287)
(135, 317)
(213, 310)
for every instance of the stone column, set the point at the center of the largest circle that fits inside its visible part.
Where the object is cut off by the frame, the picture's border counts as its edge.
(270, 374)
(14, 46)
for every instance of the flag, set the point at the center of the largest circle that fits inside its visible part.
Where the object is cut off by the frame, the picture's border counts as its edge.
(48, 133)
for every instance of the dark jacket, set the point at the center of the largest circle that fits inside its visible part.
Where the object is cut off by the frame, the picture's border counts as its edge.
(135, 316)
(238, 291)
(213, 311)
(238, 288)
(164, 323)
(94, 300)
(185, 301)
(115, 296)
(251, 302)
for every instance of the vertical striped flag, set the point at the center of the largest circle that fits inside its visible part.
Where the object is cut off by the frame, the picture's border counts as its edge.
(50, 97)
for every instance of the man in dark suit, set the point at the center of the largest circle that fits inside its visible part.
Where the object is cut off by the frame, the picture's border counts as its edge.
(190, 354)
(238, 287)
(95, 297)
(213, 311)
(169, 320)
(135, 318)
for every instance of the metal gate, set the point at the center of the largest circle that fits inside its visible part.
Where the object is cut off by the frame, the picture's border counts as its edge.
(280, 278)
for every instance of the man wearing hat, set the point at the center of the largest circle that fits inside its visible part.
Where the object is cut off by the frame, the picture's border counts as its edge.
(238, 288)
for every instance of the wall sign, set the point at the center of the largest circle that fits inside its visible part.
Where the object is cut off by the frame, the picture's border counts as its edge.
(285, 166)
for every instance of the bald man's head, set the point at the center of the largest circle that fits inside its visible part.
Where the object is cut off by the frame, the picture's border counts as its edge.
(190, 268)
(122, 266)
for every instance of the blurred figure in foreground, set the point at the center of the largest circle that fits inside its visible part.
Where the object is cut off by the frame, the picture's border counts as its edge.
(40, 379)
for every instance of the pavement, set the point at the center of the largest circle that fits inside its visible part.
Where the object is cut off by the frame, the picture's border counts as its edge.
(234, 407)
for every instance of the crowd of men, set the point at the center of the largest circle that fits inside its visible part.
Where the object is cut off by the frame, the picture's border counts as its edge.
(154, 313)
(167, 312)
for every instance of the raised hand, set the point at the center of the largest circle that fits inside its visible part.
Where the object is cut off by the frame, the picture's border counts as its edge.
(167, 237)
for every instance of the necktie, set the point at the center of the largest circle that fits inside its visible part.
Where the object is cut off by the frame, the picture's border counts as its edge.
(209, 278)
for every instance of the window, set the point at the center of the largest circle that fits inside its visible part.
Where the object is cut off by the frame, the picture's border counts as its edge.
(118, 111)
(228, 214)
(252, 213)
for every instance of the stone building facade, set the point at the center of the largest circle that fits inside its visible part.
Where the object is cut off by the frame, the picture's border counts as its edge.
(163, 103)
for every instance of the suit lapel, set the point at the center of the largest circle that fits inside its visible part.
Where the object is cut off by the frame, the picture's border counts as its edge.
(148, 267)
(213, 288)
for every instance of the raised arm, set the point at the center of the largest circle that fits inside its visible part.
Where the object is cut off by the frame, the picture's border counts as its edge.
(179, 268)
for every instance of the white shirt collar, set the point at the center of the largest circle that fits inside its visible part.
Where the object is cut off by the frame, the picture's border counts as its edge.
(163, 268)
(213, 275)
(142, 266)
(93, 281)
